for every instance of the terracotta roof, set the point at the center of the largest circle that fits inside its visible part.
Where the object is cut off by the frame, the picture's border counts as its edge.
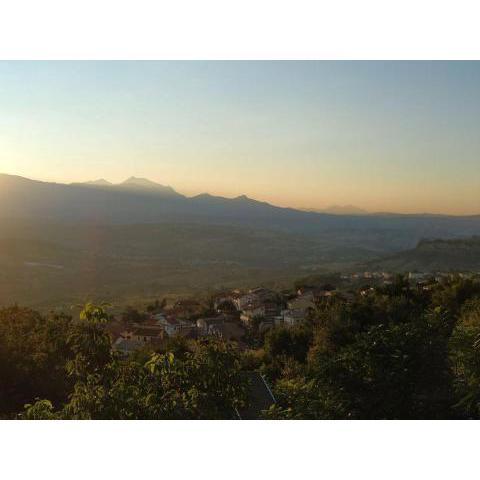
(172, 321)
(147, 331)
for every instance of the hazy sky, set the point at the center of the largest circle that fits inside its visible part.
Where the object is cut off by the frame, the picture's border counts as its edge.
(396, 136)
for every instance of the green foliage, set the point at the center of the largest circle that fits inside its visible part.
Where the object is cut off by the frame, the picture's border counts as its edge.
(386, 355)
(94, 313)
(290, 341)
(178, 345)
(132, 315)
(206, 384)
(453, 295)
(40, 410)
(198, 380)
(387, 371)
(156, 306)
(302, 398)
(465, 358)
(399, 352)
(33, 354)
(89, 343)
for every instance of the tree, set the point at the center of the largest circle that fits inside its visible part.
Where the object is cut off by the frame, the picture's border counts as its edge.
(290, 341)
(398, 352)
(33, 354)
(203, 383)
(157, 306)
(40, 410)
(465, 360)
(89, 342)
(132, 315)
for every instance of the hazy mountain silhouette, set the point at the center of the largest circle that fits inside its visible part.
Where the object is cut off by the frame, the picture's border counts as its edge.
(101, 182)
(134, 184)
(140, 200)
(103, 241)
(341, 210)
(137, 184)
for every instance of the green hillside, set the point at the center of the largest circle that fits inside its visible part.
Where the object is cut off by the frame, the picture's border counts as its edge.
(52, 264)
(435, 255)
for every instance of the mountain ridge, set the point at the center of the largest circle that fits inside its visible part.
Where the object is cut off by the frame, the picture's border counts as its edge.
(136, 184)
(99, 182)
(108, 241)
(434, 255)
(340, 210)
(22, 198)
(145, 184)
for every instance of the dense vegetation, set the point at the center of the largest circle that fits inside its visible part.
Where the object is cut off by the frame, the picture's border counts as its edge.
(395, 352)
(460, 254)
(46, 265)
(73, 363)
(398, 352)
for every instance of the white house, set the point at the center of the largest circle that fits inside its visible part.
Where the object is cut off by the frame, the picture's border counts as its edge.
(302, 302)
(252, 311)
(204, 323)
(159, 318)
(174, 326)
(292, 317)
(417, 276)
(243, 301)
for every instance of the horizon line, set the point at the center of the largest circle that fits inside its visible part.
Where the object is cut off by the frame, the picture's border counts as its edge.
(319, 211)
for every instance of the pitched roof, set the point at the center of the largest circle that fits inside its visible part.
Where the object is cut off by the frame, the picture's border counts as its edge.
(173, 321)
(147, 331)
(260, 397)
(115, 329)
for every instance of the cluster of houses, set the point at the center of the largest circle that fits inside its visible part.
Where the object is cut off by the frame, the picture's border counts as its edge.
(269, 308)
(153, 332)
(233, 313)
(387, 278)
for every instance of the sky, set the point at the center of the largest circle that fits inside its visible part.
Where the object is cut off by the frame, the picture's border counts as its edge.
(383, 136)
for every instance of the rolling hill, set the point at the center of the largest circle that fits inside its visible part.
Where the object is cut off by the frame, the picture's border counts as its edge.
(435, 256)
(139, 239)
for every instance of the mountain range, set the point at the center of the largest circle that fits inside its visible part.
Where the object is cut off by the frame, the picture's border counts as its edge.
(134, 184)
(340, 210)
(139, 239)
(139, 200)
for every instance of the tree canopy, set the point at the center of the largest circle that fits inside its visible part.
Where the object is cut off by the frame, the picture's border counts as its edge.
(398, 352)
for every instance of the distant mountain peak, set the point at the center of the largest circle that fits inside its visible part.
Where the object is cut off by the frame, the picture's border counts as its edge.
(141, 182)
(100, 182)
(203, 195)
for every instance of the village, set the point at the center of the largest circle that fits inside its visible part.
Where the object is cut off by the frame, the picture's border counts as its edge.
(232, 315)
(229, 316)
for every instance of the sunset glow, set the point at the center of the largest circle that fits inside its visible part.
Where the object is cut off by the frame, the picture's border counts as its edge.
(383, 136)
